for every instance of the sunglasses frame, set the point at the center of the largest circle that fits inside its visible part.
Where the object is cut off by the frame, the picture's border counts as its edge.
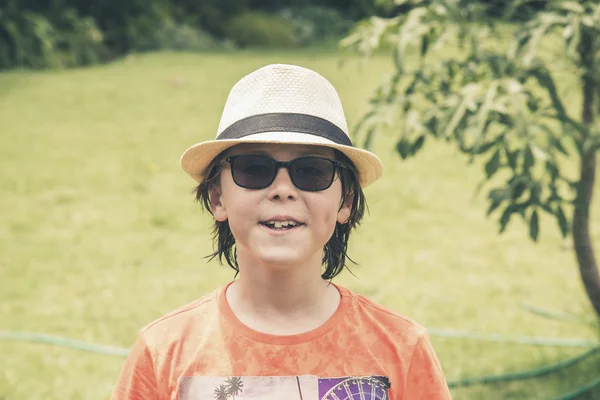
(287, 165)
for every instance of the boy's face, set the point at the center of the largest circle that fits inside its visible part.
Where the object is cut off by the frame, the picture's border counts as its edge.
(249, 211)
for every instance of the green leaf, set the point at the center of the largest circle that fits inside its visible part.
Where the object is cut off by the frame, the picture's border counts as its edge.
(484, 111)
(534, 226)
(546, 207)
(368, 118)
(492, 165)
(424, 45)
(493, 206)
(432, 125)
(573, 37)
(535, 192)
(410, 89)
(522, 39)
(512, 158)
(558, 145)
(533, 103)
(572, 6)
(588, 20)
(497, 64)
(417, 144)
(369, 138)
(512, 8)
(528, 159)
(484, 147)
(458, 115)
(547, 82)
(562, 221)
(398, 56)
(505, 218)
(552, 169)
(499, 195)
(567, 33)
(539, 153)
(403, 147)
(519, 188)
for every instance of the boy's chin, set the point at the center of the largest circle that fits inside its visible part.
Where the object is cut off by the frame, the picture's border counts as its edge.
(283, 260)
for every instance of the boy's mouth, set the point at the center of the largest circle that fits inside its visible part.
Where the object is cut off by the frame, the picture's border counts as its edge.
(281, 225)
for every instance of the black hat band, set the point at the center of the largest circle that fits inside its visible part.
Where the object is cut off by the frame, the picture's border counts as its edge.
(286, 122)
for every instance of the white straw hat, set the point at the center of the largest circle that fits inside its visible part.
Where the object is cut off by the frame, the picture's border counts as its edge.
(282, 104)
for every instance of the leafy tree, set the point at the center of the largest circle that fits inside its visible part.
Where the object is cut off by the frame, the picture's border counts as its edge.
(500, 102)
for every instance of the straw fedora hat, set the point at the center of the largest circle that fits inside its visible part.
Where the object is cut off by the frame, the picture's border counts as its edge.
(284, 104)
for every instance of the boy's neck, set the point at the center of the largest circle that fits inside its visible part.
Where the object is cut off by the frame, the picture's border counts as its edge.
(265, 298)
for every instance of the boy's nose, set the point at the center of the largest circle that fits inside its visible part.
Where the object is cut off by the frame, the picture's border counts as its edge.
(282, 187)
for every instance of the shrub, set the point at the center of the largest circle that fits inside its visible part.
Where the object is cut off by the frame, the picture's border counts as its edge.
(354, 9)
(250, 29)
(128, 25)
(80, 42)
(313, 24)
(32, 40)
(211, 15)
(28, 38)
(184, 37)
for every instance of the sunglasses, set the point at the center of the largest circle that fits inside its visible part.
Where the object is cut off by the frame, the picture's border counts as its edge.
(311, 174)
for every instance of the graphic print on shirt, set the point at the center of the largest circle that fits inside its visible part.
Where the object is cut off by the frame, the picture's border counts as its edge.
(305, 387)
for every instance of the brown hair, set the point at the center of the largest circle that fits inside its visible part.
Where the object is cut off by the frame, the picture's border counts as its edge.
(334, 251)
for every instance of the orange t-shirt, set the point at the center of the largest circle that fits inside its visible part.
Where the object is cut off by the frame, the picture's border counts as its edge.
(201, 351)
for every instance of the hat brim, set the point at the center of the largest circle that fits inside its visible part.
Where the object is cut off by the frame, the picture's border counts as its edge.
(197, 158)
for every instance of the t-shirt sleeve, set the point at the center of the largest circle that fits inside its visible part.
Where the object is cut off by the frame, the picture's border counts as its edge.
(138, 378)
(425, 379)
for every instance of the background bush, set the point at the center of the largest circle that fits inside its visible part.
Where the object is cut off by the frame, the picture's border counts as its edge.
(316, 23)
(211, 15)
(128, 25)
(174, 36)
(260, 30)
(80, 41)
(33, 40)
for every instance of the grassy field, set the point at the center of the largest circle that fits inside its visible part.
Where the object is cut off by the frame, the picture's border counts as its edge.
(99, 234)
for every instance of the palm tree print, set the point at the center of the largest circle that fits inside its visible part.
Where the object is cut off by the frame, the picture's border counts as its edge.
(221, 393)
(234, 386)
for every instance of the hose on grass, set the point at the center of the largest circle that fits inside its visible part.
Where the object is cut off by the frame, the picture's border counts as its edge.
(582, 390)
(528, 374)
(518, 339)
(558, 316)
(64, 342)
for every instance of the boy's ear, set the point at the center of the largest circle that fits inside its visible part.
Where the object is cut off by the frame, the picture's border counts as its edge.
(216, 203)
(346, 208)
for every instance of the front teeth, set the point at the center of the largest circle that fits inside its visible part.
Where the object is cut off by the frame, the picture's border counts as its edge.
(280, 224)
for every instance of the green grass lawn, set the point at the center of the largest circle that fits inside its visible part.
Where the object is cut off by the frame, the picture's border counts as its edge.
(99, 234)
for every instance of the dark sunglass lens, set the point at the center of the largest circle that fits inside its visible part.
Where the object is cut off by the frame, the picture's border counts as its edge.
(312, 173)
(253, 172)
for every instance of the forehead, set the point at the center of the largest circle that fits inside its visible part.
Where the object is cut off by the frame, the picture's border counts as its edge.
(281, 151)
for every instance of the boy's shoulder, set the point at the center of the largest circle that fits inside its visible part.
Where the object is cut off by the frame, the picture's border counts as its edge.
(387, 318)
(186, 314)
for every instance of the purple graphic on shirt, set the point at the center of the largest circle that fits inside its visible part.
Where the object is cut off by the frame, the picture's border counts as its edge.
(355, 387)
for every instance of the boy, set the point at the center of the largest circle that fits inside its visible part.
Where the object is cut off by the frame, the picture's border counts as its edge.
(284, 184)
